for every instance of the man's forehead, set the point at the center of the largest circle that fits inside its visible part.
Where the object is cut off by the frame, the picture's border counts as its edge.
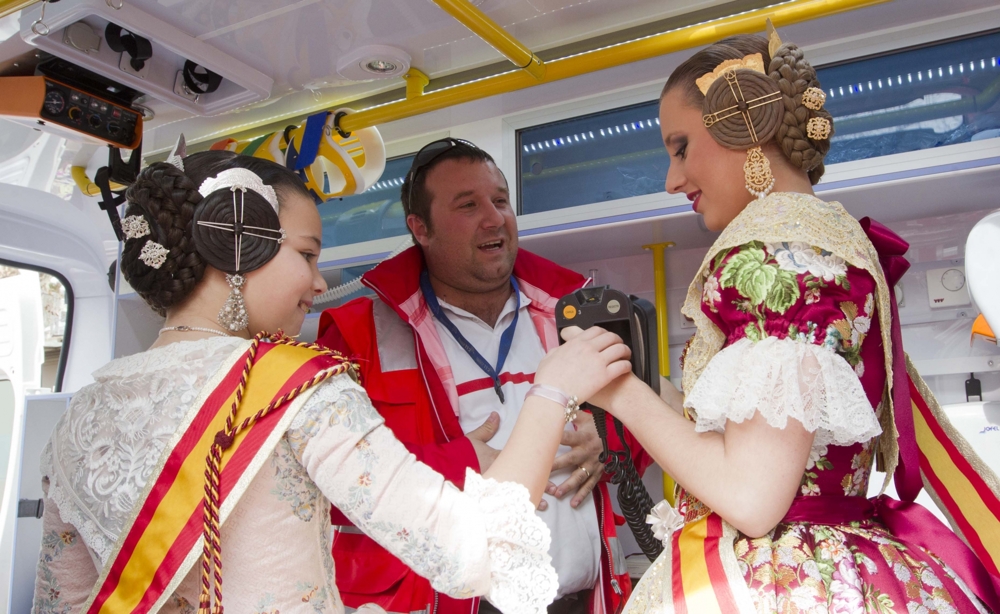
(457, 175)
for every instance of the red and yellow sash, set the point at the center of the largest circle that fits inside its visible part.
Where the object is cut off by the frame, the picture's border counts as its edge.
(700, 582)
(965, 489)
(164, 539)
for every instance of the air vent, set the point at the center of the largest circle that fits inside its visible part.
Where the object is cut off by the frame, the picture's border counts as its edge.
(161, 76)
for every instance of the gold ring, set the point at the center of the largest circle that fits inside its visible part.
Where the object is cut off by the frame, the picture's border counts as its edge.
(585, 471)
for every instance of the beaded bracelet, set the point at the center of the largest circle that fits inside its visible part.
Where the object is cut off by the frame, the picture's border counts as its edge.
(569, 402)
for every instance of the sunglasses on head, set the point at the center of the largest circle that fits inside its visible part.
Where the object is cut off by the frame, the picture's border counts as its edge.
(427, 154)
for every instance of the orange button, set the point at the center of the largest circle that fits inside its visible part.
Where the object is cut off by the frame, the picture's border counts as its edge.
(569, 312)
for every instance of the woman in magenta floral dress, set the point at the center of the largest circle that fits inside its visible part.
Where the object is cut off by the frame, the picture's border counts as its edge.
(787, 381)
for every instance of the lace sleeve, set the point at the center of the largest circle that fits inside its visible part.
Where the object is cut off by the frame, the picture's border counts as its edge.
(782, 379)
(795, 318)
(484, 541)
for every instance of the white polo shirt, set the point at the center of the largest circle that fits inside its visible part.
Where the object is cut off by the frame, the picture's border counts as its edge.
(576, 536)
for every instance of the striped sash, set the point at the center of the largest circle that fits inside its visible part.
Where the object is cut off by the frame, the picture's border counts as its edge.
(165, 538)
(700, 582)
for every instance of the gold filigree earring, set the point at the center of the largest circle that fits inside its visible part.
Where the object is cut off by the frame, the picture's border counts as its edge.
(757, 170)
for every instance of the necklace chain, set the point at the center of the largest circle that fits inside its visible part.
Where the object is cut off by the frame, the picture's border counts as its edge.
(190, 329)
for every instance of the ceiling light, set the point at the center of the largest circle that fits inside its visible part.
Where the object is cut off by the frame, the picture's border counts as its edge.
(380, 67)
(373, 62)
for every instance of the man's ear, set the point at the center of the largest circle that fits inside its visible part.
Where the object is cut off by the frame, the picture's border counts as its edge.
(418, 227)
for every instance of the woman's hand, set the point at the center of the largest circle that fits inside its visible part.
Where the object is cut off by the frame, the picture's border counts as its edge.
(588, 361)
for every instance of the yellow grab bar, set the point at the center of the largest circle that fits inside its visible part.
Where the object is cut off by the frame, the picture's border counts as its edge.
(10, 6)
(494, 35)
(615, 55)
(662, 332)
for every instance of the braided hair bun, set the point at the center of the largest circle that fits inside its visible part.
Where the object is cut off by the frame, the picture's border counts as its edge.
(166, 199)
(794, 75)
(166, 250)
(788, 73)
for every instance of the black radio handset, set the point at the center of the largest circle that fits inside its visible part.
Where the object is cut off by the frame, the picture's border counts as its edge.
(634, 320)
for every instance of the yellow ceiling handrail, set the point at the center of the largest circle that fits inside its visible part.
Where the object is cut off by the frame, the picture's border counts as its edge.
(11, 6)
(491, 32)
(608, 57)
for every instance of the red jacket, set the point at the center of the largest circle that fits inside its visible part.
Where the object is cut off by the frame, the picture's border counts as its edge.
(404, 370)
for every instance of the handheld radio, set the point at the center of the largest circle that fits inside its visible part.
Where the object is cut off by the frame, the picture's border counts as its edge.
(634, 320)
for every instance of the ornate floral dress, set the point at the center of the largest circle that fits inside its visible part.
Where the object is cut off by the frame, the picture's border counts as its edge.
(485, 540)
(802, 340)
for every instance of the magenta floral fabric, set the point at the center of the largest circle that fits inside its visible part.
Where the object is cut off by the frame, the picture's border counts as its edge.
(796, 293)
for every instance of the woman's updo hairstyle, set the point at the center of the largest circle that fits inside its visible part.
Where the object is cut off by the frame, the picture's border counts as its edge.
(164, 201)
(789, 73)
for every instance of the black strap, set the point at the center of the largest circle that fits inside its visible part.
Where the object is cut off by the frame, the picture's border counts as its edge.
(109, 200)
(139, 49)
(633, 497)
(199, 79)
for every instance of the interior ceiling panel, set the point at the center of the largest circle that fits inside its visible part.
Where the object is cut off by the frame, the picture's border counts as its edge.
(300, 42)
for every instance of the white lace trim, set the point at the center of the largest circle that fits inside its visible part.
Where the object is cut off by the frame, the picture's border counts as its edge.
(522, 578)
(108, 443)
(782, 379)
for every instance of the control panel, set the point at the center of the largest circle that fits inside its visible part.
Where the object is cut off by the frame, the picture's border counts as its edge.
(48, 104)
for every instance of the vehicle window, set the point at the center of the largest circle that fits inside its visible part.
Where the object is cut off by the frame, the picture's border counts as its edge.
(914, 99)
(376, 213)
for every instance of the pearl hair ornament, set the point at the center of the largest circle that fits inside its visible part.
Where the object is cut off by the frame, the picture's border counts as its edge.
(135, 227)
(153, 254)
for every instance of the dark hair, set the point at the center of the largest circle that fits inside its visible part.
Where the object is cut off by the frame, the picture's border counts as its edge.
(793, 74)
(168, 199)
(418, 200)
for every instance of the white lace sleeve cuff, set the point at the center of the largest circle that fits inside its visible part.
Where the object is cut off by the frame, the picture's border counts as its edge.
(522, 578)
(782, 379)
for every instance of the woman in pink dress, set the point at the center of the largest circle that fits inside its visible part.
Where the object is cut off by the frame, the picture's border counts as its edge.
(788, 399)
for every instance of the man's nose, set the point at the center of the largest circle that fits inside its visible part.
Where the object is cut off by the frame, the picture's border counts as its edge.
(492, 217)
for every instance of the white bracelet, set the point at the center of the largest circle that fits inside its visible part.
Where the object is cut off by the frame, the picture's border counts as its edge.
(569, 402)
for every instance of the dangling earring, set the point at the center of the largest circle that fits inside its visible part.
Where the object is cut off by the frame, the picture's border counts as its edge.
(233, 315)
(757, 170)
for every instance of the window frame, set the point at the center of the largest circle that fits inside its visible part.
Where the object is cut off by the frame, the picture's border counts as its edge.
(68, 331)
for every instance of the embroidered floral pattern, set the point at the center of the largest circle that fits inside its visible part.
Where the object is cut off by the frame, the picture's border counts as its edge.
(49, 598)
(850, 569)
(291, 484)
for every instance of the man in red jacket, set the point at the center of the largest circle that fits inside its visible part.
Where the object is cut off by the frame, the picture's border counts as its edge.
(448, 350)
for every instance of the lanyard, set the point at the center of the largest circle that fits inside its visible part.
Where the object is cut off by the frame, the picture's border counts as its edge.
(505, 339)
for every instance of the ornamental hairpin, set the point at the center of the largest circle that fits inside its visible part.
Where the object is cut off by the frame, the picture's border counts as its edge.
(753, 62)
(135, 227)
(153, 254)
(178, 153)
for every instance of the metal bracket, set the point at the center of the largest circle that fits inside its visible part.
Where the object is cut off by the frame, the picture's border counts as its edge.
(30, 508)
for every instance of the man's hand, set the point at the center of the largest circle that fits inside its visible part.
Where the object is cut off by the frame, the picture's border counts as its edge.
(479, 436)
(583, 458)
